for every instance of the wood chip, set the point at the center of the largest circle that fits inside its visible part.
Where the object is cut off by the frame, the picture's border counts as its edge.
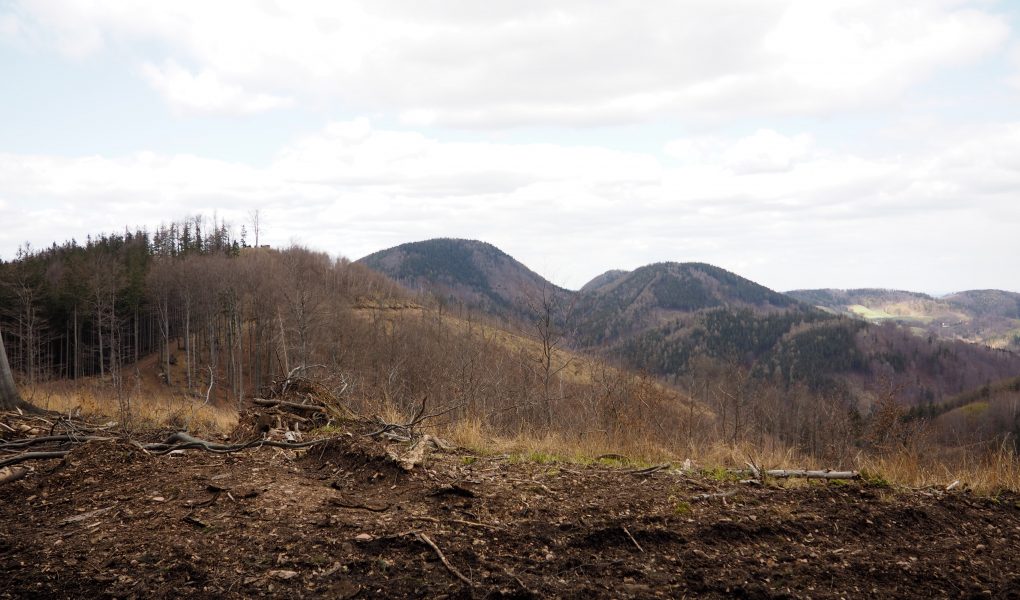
(86, 515)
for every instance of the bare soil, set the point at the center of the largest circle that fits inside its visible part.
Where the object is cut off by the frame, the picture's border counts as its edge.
(344, 521)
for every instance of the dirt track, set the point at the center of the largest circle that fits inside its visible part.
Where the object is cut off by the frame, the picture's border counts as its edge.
(344, 521)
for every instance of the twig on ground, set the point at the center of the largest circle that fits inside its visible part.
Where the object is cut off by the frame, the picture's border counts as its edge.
(339, 502)
(442, 557)
(458, 521)
(537, 484)
(649, 470)
(627, 531)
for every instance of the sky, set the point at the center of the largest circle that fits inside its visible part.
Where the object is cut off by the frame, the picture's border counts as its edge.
(799, 143)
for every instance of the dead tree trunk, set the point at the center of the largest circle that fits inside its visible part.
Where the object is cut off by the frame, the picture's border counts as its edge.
(9, 397)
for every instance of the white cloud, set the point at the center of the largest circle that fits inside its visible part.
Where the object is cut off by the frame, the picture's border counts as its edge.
(454, 63)
(206, 93)
(1013, 79)
(847, 52)
(763, 151)
(825, 218)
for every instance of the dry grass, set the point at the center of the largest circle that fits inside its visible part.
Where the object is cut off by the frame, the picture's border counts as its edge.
(585, 449)
(554, 446)
(147, 410)
(986, 473)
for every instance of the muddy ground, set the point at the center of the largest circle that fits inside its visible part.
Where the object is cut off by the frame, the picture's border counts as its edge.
(344, 521)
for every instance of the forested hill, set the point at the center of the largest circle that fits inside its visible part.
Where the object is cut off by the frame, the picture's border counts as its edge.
(600, 281)
(668, 318)
(78, 310)
(473, 273)
(656, 294)
(243, 316)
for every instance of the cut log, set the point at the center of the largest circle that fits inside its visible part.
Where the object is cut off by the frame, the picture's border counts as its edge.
(797, 473)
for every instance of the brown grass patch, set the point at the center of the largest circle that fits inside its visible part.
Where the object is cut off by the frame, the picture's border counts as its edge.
(168, 408)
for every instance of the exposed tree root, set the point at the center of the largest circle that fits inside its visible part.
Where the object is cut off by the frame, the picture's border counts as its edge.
(26, 456)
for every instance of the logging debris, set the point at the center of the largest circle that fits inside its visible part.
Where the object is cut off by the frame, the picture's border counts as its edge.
(115, 520)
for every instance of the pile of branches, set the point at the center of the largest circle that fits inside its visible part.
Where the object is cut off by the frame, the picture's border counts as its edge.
(308, 403)
(54, 437)
(66, 433)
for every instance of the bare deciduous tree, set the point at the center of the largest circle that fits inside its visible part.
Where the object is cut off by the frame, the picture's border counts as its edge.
(550, 336)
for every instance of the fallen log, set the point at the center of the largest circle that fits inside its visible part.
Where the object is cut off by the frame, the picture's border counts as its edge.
(825, 474)
(799, 473)
(176, 442)
(289, 406)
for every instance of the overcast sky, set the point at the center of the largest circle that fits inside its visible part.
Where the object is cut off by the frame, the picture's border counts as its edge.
(801, 144)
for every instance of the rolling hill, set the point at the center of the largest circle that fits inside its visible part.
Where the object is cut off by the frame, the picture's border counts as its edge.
(627, 303)
(473, 273)
(665, 317)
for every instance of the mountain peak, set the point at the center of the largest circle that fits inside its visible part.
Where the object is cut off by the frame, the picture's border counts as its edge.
(469, 271)
(600, 281)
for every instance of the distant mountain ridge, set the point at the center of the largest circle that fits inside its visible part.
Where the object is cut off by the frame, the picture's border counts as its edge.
(989, 317)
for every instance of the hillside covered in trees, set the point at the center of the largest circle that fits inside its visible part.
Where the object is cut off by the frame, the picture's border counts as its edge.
(80, 310)
(473, 274)
(669, 318)
(228, 322)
